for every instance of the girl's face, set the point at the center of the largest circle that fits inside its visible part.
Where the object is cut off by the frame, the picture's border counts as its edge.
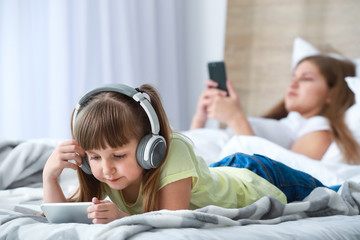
(308, 91)
(117, 167)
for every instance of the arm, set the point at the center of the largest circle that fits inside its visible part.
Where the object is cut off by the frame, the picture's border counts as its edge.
(313, 145)
(228, 109)
(54, 166)
(176, 195)
(204, 101)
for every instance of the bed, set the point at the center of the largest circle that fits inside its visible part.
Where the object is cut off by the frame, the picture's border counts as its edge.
(324, 214)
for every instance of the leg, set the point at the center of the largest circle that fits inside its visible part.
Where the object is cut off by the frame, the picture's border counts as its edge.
(296, 185)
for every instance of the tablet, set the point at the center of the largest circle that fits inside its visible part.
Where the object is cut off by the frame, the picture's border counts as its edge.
(68, 212)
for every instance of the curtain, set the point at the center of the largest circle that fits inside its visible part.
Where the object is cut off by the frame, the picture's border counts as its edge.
(53, 51)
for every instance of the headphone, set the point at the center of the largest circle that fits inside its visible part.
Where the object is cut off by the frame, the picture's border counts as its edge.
(151, 150)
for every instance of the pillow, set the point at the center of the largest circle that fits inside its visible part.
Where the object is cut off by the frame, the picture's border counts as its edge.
(354, 85)
(357, 62)
(302, 48)
(353, 113)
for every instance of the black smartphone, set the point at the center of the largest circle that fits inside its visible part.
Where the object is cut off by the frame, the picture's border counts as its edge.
(217, 73)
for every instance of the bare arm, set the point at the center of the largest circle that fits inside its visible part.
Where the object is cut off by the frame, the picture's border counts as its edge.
(228, 109)
(176, 195)
(54, 166)
(204, 101)
(313, 145)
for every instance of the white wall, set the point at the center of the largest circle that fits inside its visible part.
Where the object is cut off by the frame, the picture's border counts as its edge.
(52, 52)
(205, 25)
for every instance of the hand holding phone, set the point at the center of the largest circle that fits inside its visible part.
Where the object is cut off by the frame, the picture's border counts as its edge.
(217, 73)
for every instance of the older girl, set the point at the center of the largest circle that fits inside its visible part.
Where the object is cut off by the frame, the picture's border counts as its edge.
(312, 111)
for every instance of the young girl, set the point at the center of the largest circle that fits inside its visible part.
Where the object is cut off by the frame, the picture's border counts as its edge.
(313, 110)
(110, 126)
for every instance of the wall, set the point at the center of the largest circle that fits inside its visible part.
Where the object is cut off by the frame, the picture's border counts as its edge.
(204, 34)
(259, 39)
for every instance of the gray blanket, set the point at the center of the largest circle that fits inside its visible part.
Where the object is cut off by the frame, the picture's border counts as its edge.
(267, 210)
(21, 162)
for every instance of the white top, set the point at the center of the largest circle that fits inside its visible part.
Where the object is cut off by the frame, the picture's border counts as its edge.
(287, 130)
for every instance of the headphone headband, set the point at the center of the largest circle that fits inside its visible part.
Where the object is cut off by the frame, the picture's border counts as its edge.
(128, 91)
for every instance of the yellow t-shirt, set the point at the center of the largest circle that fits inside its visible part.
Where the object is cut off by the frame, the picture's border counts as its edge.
(227, 187)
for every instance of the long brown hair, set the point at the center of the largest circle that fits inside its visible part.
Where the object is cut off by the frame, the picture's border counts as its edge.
(112, 119)
(334, 71)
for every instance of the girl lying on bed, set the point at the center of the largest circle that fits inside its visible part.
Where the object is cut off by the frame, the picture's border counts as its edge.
(127, 151)
(312, 114)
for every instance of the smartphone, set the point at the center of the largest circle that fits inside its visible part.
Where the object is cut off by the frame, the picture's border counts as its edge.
(66, 212)
(217, 73)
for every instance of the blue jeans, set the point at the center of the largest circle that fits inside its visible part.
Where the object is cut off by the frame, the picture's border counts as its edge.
(296, 185)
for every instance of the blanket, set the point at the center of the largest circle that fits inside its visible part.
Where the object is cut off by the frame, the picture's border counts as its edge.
(21, 162)
(214, 144)
(267, 210)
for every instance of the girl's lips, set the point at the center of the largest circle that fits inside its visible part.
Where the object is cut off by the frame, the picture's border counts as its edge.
(291, 94)
(113, 180)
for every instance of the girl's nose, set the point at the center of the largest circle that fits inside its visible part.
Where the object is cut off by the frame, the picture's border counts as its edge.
(294, 82)
(108, 167)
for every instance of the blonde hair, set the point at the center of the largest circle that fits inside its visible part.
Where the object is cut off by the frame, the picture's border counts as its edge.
(112, 119)
(334, 71)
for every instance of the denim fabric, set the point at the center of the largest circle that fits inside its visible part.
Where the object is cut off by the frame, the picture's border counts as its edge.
(295, 184)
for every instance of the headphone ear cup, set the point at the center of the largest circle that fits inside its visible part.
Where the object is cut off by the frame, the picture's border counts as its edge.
(85, 166)
(151, 151)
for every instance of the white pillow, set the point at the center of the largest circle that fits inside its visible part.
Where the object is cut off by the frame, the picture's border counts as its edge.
(357, 62)
(302, 49)
(354, 85)
(353, 113)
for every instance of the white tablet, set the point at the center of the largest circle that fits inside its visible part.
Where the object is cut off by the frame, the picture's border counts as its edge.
(69, 212)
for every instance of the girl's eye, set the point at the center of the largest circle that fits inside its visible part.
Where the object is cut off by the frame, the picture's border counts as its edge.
(120, 156)
(306, 79)
(94, 157)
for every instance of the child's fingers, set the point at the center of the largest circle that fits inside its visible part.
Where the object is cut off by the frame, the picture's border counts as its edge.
(77, 158)
(231, 89)
(70, 165)
(71, 146)
(95, 200)
(100, 220)
(211, 83)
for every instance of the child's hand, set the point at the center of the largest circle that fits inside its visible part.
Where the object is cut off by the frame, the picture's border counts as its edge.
(104, 211)
(59, 159)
